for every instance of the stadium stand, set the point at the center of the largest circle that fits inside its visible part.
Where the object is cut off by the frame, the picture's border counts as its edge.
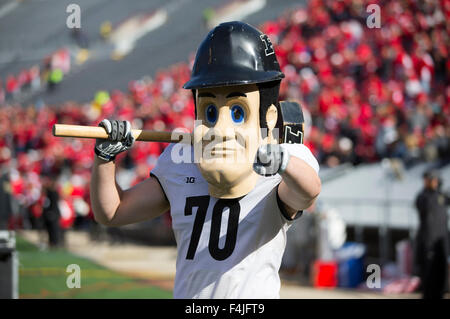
(371, 94)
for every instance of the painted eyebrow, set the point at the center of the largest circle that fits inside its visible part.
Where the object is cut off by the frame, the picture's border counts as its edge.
(234, 94)
(206, 94)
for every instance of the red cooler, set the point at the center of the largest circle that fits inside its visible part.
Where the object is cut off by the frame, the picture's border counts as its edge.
(325, 274)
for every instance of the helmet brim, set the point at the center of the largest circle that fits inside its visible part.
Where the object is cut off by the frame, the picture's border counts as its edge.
(229, 77)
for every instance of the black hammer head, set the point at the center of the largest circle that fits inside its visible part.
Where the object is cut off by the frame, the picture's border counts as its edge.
(293, 123)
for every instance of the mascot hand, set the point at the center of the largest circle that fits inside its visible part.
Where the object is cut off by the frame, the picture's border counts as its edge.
(119, 139)
(271, 159)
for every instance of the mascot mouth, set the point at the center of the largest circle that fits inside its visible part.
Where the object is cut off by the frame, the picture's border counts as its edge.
(222, 151)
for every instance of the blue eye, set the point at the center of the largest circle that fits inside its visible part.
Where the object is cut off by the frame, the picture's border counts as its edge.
(211, 114)
(237, 114)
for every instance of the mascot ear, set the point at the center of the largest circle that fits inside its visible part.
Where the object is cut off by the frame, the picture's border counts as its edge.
(271, 120)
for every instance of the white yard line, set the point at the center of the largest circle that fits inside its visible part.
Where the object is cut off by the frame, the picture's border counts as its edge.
(129, 33)
(237, 11)
(7, 8)
(126, 37)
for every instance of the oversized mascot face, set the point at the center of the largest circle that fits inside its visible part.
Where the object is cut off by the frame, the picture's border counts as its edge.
(227, 135)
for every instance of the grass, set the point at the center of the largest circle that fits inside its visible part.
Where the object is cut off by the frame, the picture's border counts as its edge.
(42, 274)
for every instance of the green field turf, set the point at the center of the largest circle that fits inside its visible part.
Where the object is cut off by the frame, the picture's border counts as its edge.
(42, 274)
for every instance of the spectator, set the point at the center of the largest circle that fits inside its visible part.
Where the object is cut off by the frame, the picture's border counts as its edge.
(12, 87)
(5, 200)
(50, 211)
(432, 238)
(2, 93)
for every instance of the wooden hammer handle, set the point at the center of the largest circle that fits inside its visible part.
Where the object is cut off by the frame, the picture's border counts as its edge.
(65, 130)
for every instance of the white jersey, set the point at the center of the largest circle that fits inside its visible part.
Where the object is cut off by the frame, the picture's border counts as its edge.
(227, 248)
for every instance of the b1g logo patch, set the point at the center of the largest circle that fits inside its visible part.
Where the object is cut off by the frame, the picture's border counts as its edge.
(268, 44)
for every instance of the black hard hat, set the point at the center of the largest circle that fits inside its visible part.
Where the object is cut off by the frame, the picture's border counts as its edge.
(431, 174)
(234, 53)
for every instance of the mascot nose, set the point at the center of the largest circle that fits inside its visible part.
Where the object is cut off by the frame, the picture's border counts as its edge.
(224, 130)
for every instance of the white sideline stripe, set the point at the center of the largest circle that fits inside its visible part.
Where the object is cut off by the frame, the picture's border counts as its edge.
(7, 8)
(128, 34)
(241, 11)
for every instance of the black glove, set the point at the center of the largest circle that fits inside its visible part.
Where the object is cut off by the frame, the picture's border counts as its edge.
(119, 139)
(271, 159)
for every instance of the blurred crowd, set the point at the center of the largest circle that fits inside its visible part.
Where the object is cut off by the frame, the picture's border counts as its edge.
(32, 155)
(371, 93)
(47, 75)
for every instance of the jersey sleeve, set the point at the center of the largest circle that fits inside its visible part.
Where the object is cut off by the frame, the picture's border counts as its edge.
(162, 168)
(302, 152)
